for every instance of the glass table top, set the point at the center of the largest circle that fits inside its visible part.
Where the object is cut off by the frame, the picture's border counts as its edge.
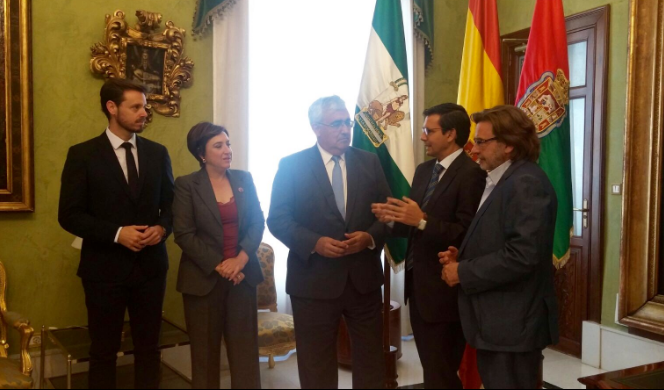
(75, 341)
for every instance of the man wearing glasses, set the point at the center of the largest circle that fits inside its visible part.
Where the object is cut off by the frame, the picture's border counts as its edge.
(507, 298)
(321, 210)
(444, 198)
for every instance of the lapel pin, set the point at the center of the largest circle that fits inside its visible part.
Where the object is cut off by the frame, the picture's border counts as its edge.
(240, 189)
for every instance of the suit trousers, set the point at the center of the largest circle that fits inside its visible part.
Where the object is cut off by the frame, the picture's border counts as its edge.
(143, 297)
(440, 345)
(230, 313)
(507, 370)
(316, 330)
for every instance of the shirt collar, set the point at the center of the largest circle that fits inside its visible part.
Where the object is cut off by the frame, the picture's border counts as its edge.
(499, 172)
(327, 156)
(117, 142)
(447, 161)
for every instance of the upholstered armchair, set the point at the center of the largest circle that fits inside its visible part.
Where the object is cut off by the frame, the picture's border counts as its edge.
(276, 332)
(13, 375)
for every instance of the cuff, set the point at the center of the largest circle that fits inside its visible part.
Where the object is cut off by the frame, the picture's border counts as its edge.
(117, 236)
(373, 242)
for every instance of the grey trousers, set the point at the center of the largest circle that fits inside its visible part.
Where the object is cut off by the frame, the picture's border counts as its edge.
(229, 312)
(505, 370)
(316, 330)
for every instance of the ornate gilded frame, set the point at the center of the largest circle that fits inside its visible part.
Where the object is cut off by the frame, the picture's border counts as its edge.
(640, 304)
(17, 184)
(109, 58)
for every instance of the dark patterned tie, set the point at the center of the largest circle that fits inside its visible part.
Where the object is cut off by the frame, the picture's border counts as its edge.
(431, 188)
(132, 171)
(435, 176)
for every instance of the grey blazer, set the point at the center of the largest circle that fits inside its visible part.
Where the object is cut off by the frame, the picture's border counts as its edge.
(507, 300)
(303, 210)
(198, 230)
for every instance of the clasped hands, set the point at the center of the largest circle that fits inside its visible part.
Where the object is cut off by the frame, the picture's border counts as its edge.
(450, 263)
(405, 211)
(231, 269)
(136, 238)
(355, 243)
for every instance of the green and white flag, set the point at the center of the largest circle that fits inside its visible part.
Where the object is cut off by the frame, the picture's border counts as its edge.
(382, 115)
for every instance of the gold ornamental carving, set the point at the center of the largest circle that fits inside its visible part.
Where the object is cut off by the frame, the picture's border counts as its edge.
(151, 58)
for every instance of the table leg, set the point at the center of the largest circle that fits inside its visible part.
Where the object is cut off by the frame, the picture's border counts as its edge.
(69, 363)
(42, 357)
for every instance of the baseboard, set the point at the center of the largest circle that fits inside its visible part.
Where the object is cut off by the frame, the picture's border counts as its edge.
(610, 349)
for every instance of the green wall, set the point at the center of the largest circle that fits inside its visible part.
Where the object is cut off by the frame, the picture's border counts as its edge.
(442, 78)
(514, 15)
(40, 261)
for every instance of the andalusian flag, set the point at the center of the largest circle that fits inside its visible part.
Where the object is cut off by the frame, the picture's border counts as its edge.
(480, 83)
(383, 108)
(480, 88)
(544, 95)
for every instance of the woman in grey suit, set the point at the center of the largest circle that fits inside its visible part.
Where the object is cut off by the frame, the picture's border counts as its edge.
(219, 224)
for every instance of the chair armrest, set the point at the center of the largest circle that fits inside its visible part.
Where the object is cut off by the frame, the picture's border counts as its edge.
(22, 325)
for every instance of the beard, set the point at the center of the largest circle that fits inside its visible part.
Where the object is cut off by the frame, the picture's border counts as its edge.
(132, 127)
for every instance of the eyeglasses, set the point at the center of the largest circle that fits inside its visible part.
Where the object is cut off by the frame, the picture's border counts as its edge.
(339, 124)
(429, 131)
(481, 142)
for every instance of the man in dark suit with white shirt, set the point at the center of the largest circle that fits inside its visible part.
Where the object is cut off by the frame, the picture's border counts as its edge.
(507, 299)
(443, 201)
(321, 210)
(116, 194)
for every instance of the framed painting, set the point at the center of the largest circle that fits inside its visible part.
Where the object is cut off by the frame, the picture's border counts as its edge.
(146, 55)
(16, 159)
(641, 299)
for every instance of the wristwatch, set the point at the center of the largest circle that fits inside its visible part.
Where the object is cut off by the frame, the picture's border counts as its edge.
(423, 222)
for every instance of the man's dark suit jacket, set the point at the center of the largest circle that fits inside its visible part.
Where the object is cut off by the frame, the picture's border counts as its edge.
(450, 212)
(95, 201)
(507, 299)
(199, 231)
(303, 210)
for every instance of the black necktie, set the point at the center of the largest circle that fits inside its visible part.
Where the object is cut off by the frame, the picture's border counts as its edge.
(132, 171)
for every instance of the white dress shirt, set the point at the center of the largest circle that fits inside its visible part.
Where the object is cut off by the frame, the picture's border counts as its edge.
(121, 153)
(329, 167)
(492, 180)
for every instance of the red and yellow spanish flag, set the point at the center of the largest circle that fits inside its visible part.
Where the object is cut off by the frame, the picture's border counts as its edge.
(480, 87)
(481, 83)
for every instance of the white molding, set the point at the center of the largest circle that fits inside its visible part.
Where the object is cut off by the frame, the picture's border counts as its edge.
(611, 349)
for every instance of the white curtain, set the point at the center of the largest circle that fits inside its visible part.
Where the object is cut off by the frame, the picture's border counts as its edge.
(230, 78)
(230, 61)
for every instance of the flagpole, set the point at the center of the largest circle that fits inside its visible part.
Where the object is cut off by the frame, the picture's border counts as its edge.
(389, 351)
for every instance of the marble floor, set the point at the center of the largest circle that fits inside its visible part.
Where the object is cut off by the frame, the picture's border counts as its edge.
(559, 370)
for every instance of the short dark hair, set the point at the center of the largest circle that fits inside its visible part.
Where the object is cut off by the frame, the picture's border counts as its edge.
(512, 127)
(452, 116)
(200, 135)
(114, 89)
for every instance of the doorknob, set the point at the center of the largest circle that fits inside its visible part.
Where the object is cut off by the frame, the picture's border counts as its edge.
(585, 212)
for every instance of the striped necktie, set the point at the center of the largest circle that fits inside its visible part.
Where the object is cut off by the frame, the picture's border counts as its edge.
(435, 176)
